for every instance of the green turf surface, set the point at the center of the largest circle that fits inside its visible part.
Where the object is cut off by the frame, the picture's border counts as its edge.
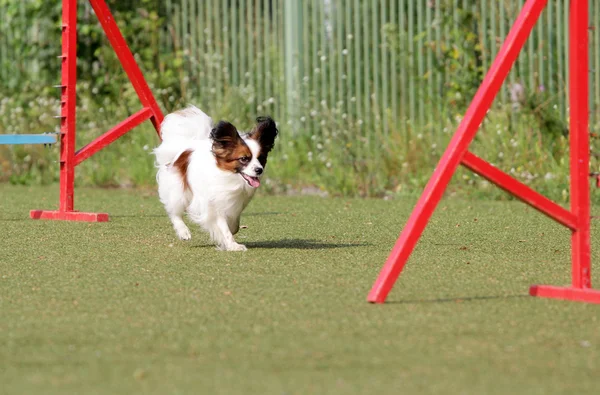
(123, 307)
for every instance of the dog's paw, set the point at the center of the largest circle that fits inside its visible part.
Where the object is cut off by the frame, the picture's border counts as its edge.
(184, 234)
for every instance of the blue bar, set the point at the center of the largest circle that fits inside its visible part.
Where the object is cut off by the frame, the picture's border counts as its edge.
(27, 139)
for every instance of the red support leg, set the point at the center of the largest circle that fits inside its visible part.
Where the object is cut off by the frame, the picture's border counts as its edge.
(68, 157)
(580, 289)
(520, 190)
(577, 219)
(456, 149)
(68, 104)
(68, 124)
(127, 61)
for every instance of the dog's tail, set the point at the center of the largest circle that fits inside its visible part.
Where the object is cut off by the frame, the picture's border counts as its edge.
(187, 124)
(178, 130)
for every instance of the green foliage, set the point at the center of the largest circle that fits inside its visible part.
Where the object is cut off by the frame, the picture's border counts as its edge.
(328, 146)
(460, 56)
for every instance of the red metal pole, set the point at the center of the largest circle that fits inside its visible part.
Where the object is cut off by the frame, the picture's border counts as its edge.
(580, 289)
(127, 61)
(68, 158)
(456, 150)
(520, 190)
(112, 135)
(579, 140)
(68, 104)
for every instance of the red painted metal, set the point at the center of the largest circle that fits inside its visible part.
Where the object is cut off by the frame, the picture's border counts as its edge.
(456, 149)
(68, 158)
(577, 219)
(580, 289)
(68, 216)
(579, 141)
(520, 190)
(68, 104)
(127, 60)
(112, 135)
(586, 295)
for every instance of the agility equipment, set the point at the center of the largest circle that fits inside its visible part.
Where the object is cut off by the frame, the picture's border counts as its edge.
(12, 139)
(69, 157)
(577, 219)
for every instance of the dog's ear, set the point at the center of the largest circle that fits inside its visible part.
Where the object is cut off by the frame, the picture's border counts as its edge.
(225, 138)
(265, 133)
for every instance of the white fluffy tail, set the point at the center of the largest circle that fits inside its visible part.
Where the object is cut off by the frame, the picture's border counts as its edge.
(187, 124)
(178, 130)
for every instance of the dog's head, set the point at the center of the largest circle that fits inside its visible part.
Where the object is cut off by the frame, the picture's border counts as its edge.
(246, 156)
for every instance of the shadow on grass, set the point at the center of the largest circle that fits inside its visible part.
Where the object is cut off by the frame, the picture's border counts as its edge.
(458, 300)
(300, 244)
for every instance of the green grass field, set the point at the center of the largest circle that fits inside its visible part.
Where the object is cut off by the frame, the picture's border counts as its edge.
(123, 307)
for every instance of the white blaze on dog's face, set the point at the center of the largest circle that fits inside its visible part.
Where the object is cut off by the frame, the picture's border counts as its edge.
(253, 170)
(245, 156)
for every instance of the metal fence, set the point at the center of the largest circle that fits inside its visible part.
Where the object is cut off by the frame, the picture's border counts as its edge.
(385, 59)
(368, 60)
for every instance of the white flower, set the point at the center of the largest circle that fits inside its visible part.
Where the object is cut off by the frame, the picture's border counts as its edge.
(344, 52)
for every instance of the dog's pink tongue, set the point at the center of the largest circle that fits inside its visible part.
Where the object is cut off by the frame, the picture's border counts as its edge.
(254, 182)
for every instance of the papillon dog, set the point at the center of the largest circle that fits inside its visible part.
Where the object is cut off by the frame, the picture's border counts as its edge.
(210, 171)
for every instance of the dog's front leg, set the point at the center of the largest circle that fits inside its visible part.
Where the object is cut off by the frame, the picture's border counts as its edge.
(227, 242)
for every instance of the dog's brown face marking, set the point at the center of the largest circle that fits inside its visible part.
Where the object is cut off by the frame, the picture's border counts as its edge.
(230, 150)
(181, 164)
(264, 133)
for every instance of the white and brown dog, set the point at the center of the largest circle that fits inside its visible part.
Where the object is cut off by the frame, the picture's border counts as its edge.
(210, 171)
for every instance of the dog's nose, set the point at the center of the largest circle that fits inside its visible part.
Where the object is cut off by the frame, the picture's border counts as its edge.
(258, 170)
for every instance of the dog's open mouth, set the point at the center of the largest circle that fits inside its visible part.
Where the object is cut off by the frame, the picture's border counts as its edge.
(254, 182)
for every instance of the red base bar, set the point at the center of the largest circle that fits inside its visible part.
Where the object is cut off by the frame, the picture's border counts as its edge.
(587, 295)
(69, 216)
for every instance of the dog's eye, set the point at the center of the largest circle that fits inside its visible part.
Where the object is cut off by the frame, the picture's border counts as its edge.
(244, 159)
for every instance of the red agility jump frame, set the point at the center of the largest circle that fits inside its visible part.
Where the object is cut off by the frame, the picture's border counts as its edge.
(69, 158)
(577, 219)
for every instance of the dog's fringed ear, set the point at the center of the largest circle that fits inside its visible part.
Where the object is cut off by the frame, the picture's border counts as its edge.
(225, 138)
(265, 133)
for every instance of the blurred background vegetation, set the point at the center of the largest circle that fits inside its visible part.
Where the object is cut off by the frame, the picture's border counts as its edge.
(366, 93)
